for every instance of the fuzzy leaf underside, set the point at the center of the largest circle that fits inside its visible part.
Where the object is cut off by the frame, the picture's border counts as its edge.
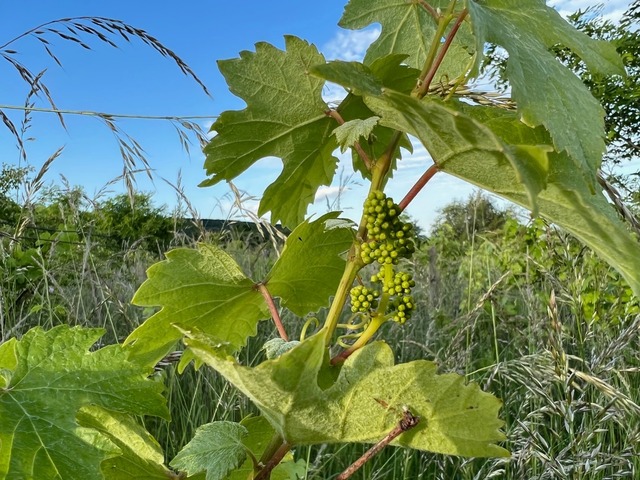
(408, 29)
(203, 289)
(454, 135)
(216, 448)
(350, 133)
(54, 376)
(308, 271)
(456, 418)
(285, 118)
(140, 455)
(260, 435)
(456, 142)
(546, 92)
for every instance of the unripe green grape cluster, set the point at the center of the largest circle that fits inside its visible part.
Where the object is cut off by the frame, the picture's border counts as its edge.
(398, 286)
(403, 306)
(388, 237)
(401, 284)
(363, 299)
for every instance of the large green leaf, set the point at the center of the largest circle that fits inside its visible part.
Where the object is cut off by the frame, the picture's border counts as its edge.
(456, 418)
(408, 29)
(207, 290)
(456, 135)
(546, 92)
(203, 289)
(55, 375)
(309, 270)
(140, 455)
(285, 117)
(478, 153)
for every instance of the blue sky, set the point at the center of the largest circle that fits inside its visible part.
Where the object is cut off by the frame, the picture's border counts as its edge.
(135, 80)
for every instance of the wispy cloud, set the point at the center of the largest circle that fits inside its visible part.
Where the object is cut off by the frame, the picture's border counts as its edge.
(350, 45)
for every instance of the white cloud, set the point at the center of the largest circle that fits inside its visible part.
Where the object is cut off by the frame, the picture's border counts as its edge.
(329, 192)
(350, 45)
(611, 10)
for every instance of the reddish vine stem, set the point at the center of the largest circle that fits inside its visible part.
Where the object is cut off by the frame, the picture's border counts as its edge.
(275, 315)
(273, 462)
(363, 155)
(407, 422)
(419, 185)
(432, 11)
(424, 87)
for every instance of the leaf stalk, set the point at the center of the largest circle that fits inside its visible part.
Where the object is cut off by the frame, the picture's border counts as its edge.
(275, 315)
(419, 185)
(407, 422)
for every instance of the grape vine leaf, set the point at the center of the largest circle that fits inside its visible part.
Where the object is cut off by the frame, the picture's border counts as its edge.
(461, 146)
(140, 455)
(408, 28)
(450, 129)
(261, 433)
(54, 376)
(204, 289)
(546, 92)
(456, 418)
(216, 448)
(349, 133)
(8, 361)
(308, 271)
(285, 117)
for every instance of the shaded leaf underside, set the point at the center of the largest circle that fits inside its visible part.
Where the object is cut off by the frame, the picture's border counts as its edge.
(546, 92)
(456, 418)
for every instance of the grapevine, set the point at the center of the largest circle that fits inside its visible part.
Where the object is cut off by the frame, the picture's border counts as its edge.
(548, 165)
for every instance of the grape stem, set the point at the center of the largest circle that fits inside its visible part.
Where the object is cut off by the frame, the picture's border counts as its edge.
(425, 83)
(407, 422)
(432, 11)
(419, 185)
(354, 264)
(275, 315)
(274, 460)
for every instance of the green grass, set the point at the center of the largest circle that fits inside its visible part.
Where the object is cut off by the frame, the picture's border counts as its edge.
(567, 370)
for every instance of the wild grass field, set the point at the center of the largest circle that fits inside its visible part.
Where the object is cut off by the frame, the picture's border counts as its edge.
(515, 305)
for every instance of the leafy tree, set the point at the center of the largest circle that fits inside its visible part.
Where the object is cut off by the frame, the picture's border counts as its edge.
(619, 95)
(460, 221)
(11, 178)
(123, 221)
